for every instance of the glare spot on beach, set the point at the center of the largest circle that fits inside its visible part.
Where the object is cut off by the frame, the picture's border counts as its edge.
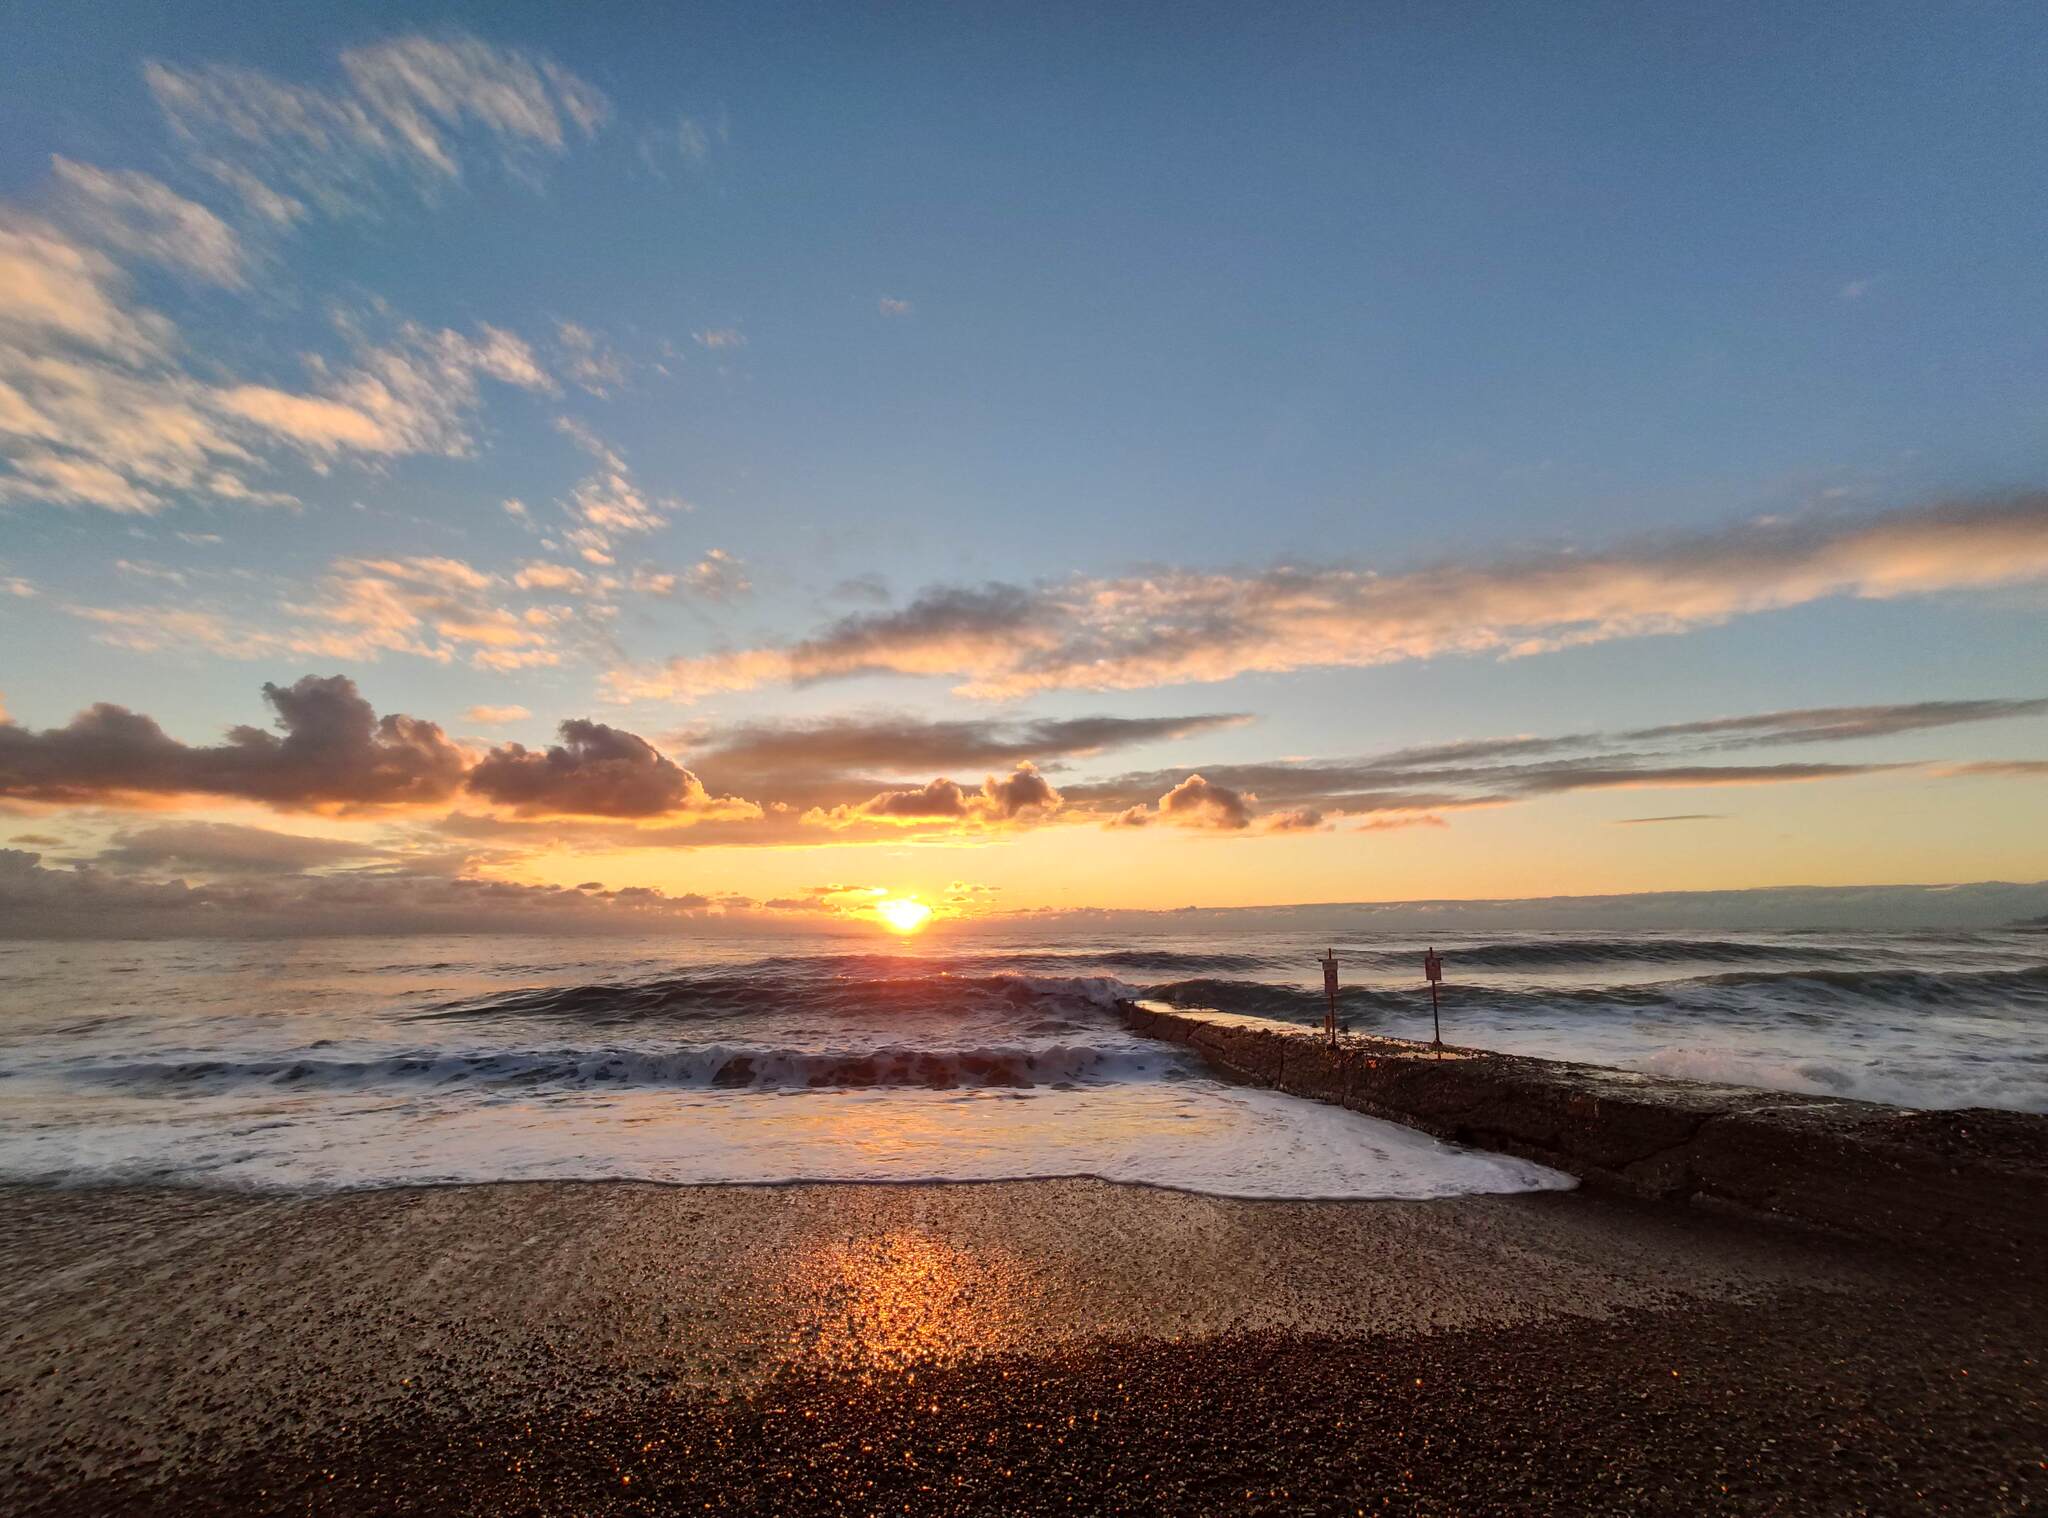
(902, 1298)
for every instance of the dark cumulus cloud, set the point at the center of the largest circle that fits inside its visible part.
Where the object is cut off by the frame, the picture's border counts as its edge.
(936, 799)
(1022, 791)
(331, 752)
(1204, 803)
(1195, 802)
(1023, 794)
(595, 771)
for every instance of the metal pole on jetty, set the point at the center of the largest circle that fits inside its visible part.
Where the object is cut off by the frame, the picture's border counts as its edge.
(1433, 971)
(1329, 964)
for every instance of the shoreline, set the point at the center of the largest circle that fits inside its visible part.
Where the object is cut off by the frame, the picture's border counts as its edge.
(525, 1343)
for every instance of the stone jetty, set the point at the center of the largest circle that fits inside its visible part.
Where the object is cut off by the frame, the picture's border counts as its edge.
(1976, 1178)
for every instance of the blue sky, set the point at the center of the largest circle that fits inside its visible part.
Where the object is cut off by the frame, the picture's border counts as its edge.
(824, 309)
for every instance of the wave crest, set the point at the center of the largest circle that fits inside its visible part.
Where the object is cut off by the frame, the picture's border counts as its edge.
(701, 1068)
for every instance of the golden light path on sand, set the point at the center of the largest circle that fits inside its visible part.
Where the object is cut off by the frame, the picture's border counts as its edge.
(898, 1298)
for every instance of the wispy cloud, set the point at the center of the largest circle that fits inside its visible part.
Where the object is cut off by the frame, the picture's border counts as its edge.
(689, 142)
(1836, 724)
(164, 629)
(98, 404)
(888, 305)
(496, 716)
(770, 756)
(1500, 771)
(608, 503)
(96, 410)
(718, 576)
(588, 361)
(57, 291)
(1002, 641)
(2006, 769)
(407, 113)
(434, 608)
(132, 213)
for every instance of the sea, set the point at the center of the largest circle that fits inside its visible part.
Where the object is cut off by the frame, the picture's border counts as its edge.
(325, 1063)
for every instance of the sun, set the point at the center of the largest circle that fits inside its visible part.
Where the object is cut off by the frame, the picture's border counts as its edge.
(903, 914)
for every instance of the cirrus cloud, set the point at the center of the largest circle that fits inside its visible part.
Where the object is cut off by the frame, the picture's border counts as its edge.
(1179, 626)
(407, 113)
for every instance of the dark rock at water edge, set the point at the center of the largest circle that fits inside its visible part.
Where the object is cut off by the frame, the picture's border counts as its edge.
(1975, 1179)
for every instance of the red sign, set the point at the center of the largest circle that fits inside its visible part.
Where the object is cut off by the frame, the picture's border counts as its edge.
(1433, 965)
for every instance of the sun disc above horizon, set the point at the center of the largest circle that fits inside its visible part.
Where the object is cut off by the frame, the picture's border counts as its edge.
(903, 914)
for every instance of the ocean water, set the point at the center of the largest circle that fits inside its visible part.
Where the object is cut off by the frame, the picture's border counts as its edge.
(343, 1062)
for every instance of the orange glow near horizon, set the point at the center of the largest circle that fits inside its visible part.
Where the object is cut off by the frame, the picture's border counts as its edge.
(903, 914)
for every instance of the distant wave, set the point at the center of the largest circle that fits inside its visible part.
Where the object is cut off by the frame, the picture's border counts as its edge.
(1788, 991)
(819, 986)
(1923, 987)
(1260, 999)
(1174, 959)
(1553, 953)
(701, 1067)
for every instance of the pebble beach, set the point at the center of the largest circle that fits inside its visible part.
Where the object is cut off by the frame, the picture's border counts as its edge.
(1041, 1346)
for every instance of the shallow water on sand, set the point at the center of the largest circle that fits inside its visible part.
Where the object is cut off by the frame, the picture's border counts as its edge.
(352, 1062)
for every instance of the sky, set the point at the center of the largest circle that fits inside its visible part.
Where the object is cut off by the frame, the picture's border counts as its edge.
(758, 465)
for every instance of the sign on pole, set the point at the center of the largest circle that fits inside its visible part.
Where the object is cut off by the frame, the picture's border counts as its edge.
(1329, 964)
(1433, 971)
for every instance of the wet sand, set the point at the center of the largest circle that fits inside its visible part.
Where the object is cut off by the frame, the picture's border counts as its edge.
(1064, 1346)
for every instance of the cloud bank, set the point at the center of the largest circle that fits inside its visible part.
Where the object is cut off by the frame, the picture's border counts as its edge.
(1001, 641)
(334, 754)
(603, 786)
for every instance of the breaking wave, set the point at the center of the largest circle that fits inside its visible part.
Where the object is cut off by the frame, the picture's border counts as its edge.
(698, 1068)
(824, 988)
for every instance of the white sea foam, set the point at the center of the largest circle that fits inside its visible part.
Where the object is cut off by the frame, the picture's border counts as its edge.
(1194, 1135)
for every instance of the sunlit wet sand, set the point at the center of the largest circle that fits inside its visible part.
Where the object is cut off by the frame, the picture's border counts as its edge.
(565, 1346)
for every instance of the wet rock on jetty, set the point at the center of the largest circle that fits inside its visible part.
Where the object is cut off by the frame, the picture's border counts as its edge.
(1976, 1178)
